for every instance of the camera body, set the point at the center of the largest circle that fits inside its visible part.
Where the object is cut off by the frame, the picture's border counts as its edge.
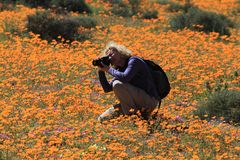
(98, 62)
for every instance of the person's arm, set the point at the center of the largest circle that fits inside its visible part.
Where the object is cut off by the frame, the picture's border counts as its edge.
(107, 87)
(129, 73)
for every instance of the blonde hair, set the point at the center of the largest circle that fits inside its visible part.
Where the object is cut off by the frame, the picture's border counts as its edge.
(124, 51)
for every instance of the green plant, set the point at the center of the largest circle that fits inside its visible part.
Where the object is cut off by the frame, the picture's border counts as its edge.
(1, 156)
(7, 5)
(196, 19)
(179, 21)
(121, 9)
(69, 5)
(150, 14)
(10, 26)
(163, 2)
(39, 23)
(114, 1)
(8, 1)
(50, 27)
(35, 3)
(86, 22)
(224, 103)
(135, 4)
(175, 7)
(72, 5)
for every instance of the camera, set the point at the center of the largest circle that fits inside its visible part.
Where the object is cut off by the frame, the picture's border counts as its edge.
(98, 62)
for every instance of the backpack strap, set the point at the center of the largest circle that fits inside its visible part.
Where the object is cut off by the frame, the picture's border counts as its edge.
(155, 114)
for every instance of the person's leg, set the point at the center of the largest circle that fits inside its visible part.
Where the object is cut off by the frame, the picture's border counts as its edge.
(122, 93)
(146, 113)
(131, 97)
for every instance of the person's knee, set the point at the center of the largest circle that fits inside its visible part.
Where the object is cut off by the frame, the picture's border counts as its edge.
(117, 85)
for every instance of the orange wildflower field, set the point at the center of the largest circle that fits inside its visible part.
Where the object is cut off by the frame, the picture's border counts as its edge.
(50, 96)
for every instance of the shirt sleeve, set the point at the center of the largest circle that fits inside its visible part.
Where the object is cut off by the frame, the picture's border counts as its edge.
(107, 87)
(131, 70)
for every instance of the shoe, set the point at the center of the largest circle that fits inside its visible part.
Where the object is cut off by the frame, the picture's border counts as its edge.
(109, 114)
(106, 115)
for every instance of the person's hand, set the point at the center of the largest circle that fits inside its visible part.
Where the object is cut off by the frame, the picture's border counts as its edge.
(105, 68)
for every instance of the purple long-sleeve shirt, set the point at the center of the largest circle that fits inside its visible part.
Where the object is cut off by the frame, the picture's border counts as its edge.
(135, 73)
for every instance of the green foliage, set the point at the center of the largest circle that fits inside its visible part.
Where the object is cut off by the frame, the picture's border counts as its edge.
(7, 4)
(114, 1)
(35, 3)
(40, 23)
(175, 7)
(50, 27)
(198, 20)
(236, 11)
(150, 14)
(9, 26)
(236, 74)
(163, 2)
(86, 22)
(69, 5)
(224, 103)
(72, 5)
(219, 86)
(1, 156)
(135, 5)
(121, 9)
(179, 21)
(8, 1)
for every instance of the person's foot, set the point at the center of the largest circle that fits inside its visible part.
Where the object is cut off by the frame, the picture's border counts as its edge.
(145, 115)
(109, 113)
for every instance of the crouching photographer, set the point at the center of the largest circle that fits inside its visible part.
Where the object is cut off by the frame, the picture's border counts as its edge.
(132, 82)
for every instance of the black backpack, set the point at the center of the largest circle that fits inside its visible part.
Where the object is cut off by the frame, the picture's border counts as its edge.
(160, 79)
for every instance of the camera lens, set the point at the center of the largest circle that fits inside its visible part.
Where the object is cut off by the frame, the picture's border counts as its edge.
(98, 62)
(95, 62)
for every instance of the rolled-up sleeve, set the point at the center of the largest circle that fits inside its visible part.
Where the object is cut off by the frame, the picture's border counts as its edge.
(107, 87)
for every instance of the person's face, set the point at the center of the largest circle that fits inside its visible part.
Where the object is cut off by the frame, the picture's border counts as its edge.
(114, 56)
